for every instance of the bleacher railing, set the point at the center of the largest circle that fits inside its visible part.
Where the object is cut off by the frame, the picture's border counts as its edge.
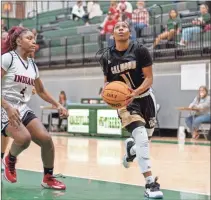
(80, 49)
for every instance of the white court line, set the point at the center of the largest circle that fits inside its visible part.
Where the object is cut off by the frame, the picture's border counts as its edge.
(80, 177)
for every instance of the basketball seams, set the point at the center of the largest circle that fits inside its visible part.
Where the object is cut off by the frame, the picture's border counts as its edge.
(115, 93)
(113, 100)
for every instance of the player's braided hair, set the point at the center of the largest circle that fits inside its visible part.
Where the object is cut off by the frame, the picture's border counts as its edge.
(10, 43)
(101, 56)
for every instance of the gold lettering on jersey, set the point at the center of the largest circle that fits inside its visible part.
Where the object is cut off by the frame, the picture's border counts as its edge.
(123, 67)
(24, 79)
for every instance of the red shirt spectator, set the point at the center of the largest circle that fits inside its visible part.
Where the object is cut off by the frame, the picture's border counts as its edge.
(113, 10)
(109, 26)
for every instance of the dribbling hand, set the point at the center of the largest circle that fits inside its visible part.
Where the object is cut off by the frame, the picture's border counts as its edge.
(63, 113)
(103, 88)
(131, 96)
(14, 117)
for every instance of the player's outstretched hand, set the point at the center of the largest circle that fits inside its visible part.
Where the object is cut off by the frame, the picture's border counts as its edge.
(105, 84)
(63, 113)
(14, 117)
(131, 96)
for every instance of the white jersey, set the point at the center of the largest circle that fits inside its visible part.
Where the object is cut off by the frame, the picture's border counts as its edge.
(18, 82)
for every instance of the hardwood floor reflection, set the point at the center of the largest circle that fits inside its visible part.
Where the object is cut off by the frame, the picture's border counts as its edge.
(185, 169)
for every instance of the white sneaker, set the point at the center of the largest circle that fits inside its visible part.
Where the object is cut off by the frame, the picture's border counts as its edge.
(128, 157)
(153, 190)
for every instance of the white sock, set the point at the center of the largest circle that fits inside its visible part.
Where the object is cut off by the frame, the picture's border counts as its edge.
(149, 179)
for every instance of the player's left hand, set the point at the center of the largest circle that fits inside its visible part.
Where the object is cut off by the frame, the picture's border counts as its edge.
(131, 96)
(63, 113)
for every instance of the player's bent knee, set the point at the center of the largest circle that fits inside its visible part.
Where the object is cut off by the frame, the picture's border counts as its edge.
(46, 138)
(25, 141)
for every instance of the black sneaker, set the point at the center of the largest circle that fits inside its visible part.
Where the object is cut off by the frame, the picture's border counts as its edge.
(153, 190)
(129, 143)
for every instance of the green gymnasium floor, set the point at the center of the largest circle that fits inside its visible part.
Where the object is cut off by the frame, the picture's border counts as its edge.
(28, 188)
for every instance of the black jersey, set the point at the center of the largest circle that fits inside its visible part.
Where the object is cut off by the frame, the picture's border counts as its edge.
(126, 66)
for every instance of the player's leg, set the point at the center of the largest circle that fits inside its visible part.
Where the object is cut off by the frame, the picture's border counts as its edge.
(42, 138)
(135, 124)
(4, 143)
(21, 142)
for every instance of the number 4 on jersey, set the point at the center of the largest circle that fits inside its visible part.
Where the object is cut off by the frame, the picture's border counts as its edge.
(23, 91)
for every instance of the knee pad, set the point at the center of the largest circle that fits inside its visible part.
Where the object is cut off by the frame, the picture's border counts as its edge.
(142, 148)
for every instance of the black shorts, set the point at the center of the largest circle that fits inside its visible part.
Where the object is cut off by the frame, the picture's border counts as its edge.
(27, 117)
(141, 109)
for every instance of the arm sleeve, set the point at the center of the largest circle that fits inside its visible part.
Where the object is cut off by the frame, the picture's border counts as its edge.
(6, 61)
(144, 57)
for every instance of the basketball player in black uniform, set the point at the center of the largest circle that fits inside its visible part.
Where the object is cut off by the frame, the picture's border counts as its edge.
(131, 63)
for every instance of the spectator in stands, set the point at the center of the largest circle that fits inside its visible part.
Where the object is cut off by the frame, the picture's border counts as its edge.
(108, 28)
(202, 115)
(93, 9)
(3, 26)
(198, 25)
(64, 102)
(173, 28)
(79, 13)
(125, 7)
(140, 17)
(113, 10)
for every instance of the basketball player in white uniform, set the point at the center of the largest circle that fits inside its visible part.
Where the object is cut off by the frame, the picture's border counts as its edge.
(19, 76)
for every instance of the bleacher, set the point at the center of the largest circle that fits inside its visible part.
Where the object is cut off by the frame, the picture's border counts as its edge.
(63, 40)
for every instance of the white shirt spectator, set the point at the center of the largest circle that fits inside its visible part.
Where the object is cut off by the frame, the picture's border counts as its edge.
(94, 9)
(78, 11)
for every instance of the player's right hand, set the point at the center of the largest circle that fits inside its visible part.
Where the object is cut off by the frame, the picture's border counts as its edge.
(105, 84)
(14, 117)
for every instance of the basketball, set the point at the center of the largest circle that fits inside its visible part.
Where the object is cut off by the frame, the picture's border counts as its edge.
(115, 93)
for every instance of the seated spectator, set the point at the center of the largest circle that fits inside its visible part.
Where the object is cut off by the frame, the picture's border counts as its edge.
(113, 10)
(63, 101)
(173, 28)
(3, 26)
(125, 7)
(202, 104)
(79, 13)
(108, 29)
(198, 25)
(140, 17)
(94, 10)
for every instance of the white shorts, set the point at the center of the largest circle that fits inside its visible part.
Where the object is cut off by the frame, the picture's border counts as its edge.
(26, 115)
